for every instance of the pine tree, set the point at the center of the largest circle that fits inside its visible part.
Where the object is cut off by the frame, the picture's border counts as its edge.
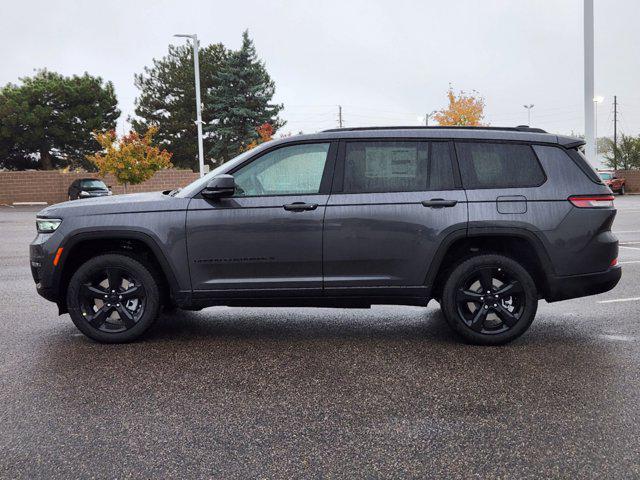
(167, 99)
(241, 99)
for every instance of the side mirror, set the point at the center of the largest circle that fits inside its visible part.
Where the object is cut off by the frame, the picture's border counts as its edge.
(220, 186)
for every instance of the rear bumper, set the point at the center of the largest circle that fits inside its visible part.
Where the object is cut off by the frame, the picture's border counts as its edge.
(574, 286)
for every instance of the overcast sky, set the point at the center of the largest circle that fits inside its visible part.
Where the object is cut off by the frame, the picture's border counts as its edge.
(385, 62)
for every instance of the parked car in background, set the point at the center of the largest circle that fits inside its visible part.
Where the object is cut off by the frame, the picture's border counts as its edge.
(486, 221)
(615, 183)
(87, 188)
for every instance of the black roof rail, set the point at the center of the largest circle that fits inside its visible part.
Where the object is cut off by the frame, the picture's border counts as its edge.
(519, 128)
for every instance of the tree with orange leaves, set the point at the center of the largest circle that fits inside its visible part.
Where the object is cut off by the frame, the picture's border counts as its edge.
(464, 109)
(265, 133)
(131, 159)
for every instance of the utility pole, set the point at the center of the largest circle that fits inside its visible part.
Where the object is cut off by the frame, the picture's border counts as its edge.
(615, 132)
(196, 67)
(529, 107)
(340, 116)
(589, 105)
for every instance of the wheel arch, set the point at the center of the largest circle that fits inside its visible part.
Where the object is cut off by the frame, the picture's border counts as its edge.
(82, 246)
(517, 243)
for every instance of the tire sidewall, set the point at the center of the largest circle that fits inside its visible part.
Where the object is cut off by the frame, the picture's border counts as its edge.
(462, 270)
(141, 272)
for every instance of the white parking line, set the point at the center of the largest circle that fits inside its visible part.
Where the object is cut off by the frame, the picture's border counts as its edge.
(630, 248)
(626, 231)
(630, 261)
(629, 243)
(618, 300)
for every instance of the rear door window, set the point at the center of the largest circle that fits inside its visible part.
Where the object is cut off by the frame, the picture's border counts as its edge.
(498, 165)
(396, 166)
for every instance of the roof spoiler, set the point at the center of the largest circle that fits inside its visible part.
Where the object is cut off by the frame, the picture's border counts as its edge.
(570, 142)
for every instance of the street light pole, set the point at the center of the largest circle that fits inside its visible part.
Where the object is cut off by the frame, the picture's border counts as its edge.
(589, 110)
(427, 116)
(597, 100)
(529, 107)
(196, 67)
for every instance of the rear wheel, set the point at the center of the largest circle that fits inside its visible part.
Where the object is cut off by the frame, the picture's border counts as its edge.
(113, 298)
(489, 299)
(621, 190)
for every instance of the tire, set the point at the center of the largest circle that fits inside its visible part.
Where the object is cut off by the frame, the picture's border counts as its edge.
(621, 191)
(473, 315)
(111, 314)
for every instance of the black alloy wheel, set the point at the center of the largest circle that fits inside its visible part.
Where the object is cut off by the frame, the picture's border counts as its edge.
(113, 298)
(489, 299)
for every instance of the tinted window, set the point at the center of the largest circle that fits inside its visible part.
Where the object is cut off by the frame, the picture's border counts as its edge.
(296, 169)
(396, 167)
(498, 165)
(440, 168)
(579, 159)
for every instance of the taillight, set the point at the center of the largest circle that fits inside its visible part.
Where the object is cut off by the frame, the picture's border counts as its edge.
(592, 201)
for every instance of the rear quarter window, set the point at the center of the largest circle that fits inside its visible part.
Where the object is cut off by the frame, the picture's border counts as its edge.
(584, 165)
(498, 165)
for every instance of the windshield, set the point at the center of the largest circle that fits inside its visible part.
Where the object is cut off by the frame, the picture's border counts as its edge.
(93, 184)
(606, 176)
(197, 185)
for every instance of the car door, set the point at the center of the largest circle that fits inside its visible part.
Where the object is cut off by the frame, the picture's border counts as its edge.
(393, 204)
(268, 235)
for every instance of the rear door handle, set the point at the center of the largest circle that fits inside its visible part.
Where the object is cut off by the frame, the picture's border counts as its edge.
(300, 206)
(439, 203)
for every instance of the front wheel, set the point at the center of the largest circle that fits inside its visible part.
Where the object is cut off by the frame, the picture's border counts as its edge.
(113, 298)
(489, 300)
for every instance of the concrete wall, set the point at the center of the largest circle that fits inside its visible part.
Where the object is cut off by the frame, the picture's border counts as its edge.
(51, 186)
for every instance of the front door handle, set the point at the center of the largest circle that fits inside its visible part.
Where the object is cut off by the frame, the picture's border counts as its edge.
(300, 206)
(439, 203)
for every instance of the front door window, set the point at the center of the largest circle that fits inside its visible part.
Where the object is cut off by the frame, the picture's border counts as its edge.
(294, 170)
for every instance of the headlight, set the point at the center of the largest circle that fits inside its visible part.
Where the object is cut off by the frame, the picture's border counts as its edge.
(47, 225)
(84, 194)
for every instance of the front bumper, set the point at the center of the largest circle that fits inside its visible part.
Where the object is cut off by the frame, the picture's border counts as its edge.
(574, 286)
(42, 269)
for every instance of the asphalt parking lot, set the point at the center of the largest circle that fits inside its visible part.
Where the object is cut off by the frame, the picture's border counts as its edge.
(315, 393)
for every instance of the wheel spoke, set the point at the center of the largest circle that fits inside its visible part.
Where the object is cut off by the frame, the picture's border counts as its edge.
(477, 323)
(486, 279)
(97, 319)
(506, 316)
(466, 296)
(115, 278)
(133, 292)
(126, 316)
(89, 291)
(511, 288)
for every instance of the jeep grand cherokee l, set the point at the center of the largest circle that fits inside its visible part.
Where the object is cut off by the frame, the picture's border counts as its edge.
(486, 221)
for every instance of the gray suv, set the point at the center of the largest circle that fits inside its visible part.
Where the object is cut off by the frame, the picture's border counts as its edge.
(486, 221)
